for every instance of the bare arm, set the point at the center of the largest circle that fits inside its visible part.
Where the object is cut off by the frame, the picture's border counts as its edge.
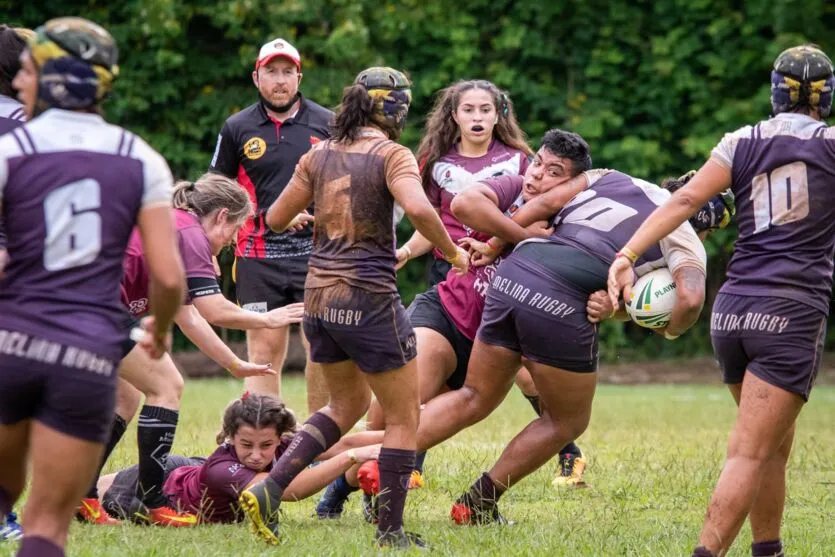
(219, 311)
(416, 246)
(167, 278)
(198, 331)
(353, 441)
(690, 297)
(295, 198)
(478, 207)
(711, 179)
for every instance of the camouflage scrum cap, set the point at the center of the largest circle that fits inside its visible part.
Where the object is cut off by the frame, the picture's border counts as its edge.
(392, 94)
(77, 63)
(802, 76)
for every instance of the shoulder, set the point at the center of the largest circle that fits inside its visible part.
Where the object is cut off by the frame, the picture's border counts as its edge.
(316, 113)
(10, 145)
(725, 150)
(151, 160)
(243, 118)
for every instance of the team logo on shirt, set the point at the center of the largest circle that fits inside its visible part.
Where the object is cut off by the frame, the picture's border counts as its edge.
(255, 148)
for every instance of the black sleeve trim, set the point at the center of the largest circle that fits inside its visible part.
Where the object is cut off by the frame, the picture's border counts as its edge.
(202, 286)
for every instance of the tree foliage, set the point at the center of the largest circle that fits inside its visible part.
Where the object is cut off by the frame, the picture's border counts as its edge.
(652, 86)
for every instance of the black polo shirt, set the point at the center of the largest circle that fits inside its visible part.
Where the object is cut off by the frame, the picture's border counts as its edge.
(261, 154)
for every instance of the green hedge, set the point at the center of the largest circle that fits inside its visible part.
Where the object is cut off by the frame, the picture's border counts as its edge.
(651, 85)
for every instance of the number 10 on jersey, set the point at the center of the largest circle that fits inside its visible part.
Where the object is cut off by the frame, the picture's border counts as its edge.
(780, 196)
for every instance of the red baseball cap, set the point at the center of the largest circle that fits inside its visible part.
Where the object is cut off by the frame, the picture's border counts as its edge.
(276, 48)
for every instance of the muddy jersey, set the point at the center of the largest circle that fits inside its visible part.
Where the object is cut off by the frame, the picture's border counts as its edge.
(783, 176)
(11, 116)
(71, 187)
(353, 235)
(454, 173)
(196, 254)
(463, 296)
(602, 219)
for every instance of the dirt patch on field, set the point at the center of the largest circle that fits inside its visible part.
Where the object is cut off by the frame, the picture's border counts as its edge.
(695, 370)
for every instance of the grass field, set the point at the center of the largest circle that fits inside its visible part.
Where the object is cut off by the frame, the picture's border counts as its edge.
(655, 453)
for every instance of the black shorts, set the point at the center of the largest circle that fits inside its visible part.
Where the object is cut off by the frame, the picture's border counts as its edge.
(127, 324)
(41, 385)
(777, 339)
(427, 311)
(342, 322)
(438, 271)
(265, 284)
(121, 500)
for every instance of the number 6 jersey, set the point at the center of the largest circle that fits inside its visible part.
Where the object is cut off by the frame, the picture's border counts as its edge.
(71, 186)
(783, 176)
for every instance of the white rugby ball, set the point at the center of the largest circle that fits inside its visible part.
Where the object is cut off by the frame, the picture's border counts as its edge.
(653, 298)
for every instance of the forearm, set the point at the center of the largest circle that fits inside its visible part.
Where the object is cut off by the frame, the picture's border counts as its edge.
(165, 300)
(690, 295)
(353, 441)
(313, 480)
(711, 179)
(220, 312)
(204, 337)
(481, 213)
(418, 245)
(292, 201)
(428, 223)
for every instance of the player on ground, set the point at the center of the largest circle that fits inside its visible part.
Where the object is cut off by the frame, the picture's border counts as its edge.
(73, 188)
(255, 431)
(260, 147)
(12, 44)
(356, 324)
(208, 214)
(535, 315)
(769, 319)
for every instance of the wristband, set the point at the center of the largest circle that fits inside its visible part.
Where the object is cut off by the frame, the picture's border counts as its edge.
(234, 364)
(491, 246)
(627, 253)
(450, 259)
(352, 456)
(668, 336)
(408, 251)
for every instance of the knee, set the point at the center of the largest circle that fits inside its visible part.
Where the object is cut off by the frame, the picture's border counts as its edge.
(566, 429)
(167, 392)
(350, 409)
(474, 403)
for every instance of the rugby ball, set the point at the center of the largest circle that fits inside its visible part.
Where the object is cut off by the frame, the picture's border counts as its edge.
(653, 298)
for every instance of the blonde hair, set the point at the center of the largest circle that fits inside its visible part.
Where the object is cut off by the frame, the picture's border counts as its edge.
(212, 192)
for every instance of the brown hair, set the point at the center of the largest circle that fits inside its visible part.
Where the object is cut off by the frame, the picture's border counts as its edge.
(442, 130)
(210, 193)
(12, 43)
(257, 411)
(353, 113)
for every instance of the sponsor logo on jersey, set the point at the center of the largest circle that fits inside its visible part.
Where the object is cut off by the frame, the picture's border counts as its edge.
(255, 148)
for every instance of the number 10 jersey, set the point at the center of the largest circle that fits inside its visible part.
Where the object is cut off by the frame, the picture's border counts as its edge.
(71, 187)
(783, 176)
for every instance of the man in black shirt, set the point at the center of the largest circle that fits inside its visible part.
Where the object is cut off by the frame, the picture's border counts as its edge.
(260, 147)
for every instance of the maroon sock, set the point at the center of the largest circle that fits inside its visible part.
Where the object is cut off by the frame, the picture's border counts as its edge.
(318, 434)
(5, 503)
(772, 548)
(702, 551)
(395, 466)
(35, 546)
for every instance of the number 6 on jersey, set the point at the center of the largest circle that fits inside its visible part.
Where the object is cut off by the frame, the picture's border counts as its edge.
(73, 227)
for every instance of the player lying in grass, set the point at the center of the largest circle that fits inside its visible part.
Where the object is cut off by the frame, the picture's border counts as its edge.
(256, 430)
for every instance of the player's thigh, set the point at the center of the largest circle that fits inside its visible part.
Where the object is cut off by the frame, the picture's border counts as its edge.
(350, 394)
(62, 468)
(765, 417)
(14, 451)
(567, 395)
(490, 375)
(436, 361)
(152, 377)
